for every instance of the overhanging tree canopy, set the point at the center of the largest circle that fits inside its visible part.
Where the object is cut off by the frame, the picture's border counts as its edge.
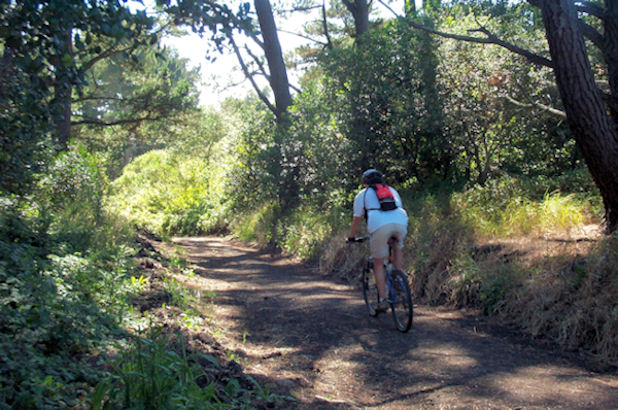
(591, 112)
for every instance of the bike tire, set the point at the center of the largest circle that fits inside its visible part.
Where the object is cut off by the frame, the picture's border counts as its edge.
(401, 302)
(370, 291)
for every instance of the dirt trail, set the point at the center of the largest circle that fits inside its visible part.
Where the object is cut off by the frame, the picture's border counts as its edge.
(308, 335)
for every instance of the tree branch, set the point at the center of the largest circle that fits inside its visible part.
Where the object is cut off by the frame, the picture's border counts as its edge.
(262, 69)
(591, 8)
(245, 70)
(105, 54)
(259, 63)
(490, 39)
(96, 98)
(329, 43)
(555, 112)
(308, 8)
(92, 121)
(301, 36)
(592, 34)
(111, 50)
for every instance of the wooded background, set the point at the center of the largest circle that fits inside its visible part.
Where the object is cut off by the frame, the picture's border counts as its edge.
(493, 118)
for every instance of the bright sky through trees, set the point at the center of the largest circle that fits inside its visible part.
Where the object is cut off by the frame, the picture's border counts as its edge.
(223, 78)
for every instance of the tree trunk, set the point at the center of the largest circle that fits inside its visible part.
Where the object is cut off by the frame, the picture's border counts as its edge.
(272, 49)
(62, 96)
(595, 132)
(360, 12)
(62, 117)
(286, 172)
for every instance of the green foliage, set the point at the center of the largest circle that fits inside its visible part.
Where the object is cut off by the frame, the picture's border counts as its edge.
(67, 284)
(158, 372)
(320, 152)
(489, 118)
(71, 195)
(378, 95)
(255, 171)
(38, 69)
(149, 84)
(136, 102)
(303, 232)
(169, 193)
(256, 226)
(151, 375)
(511, 206)
(306, 231)
(472, 283)
(54, 309)
(303, 165)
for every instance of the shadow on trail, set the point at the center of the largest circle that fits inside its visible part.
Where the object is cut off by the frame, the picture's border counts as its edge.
(326, 343)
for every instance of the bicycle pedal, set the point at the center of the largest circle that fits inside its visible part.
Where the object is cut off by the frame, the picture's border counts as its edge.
(382, 306)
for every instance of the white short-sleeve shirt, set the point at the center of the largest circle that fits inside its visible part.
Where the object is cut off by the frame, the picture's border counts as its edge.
(368, 199)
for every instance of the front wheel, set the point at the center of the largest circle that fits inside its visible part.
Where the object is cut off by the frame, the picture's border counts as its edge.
(370, 291)
(401, 303)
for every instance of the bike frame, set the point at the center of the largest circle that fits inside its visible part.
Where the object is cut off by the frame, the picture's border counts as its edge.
(388, 267)
(394, 297)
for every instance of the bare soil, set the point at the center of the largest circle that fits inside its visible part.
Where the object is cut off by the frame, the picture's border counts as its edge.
(308, 336)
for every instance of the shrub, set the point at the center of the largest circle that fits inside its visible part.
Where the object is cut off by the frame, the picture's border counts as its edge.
(158, 371)
(70, 198)
(256, 226)
(305, 232)
(170, 193)
(148, 374)
(55, 308)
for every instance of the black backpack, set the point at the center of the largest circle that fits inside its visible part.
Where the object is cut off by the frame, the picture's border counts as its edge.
(385, 196)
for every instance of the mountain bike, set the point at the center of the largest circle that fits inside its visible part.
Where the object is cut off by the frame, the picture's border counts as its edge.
(398, 292)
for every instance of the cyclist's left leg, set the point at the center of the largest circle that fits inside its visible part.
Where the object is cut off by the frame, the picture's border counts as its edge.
(380, 274)
(378, 246)
(399, 232)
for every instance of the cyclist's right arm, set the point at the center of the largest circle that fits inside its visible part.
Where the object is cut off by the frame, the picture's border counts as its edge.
(356, 221)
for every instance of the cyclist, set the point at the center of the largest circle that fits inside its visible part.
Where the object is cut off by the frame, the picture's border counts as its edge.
(382, 226)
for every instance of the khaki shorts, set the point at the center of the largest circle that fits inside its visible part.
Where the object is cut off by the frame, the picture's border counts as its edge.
(378, 243)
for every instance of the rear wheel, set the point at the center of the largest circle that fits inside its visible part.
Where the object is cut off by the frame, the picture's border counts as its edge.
(402, 301)
(370, 291)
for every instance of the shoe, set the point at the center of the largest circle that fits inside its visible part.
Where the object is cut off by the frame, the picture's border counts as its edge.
(382, 306)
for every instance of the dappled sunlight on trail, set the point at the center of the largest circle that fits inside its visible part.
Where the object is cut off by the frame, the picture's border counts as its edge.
(309, 336)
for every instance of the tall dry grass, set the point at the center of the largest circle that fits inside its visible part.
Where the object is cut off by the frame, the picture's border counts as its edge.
(572, 299)
(535, 264)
